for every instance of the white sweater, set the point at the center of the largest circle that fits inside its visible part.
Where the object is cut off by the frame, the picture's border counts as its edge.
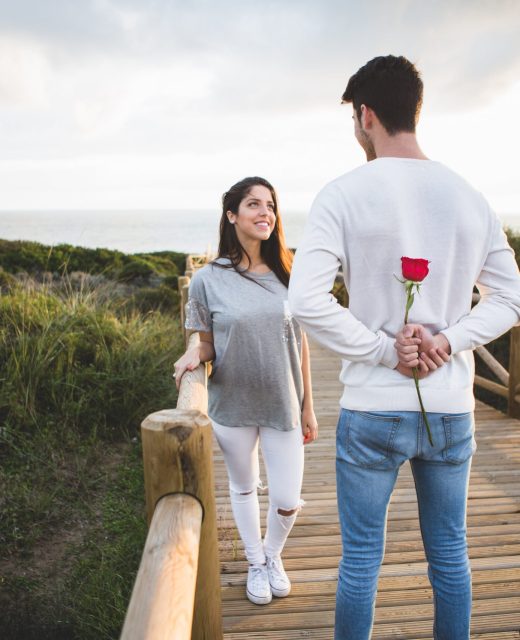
(363, 222)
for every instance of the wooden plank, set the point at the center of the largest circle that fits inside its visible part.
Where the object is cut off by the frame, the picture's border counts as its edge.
(326, 601)
(407, 549)
(420, 629)
(383, 615)
(405, 569)
(407, 584)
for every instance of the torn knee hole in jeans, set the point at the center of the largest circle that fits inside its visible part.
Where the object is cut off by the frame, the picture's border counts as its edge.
(289, 513)
(234, 492)
(259, 486)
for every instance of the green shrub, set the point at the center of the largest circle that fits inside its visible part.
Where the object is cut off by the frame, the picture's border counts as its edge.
(73, 372)
(7, 281)
(135, 269)
(173, 258)
(160, 298)
(162, 265)
(35, 258)
(79, 373)
(72, 363)
(172, 282)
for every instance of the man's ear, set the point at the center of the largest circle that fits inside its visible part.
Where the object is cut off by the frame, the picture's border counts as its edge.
(367, 117)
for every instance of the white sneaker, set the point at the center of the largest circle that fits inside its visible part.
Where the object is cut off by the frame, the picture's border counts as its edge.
(258, 589)
(280, 583)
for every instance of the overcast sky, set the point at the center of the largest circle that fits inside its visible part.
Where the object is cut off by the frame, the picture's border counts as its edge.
(164, 104)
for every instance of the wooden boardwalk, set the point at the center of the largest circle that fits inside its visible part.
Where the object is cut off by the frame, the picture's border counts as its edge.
(404, 604)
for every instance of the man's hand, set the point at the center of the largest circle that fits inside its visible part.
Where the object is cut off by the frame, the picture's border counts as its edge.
(422, 370)
(407, 345)
(417, 347)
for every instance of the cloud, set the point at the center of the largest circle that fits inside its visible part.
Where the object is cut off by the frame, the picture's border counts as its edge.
(24, 74)
(220, 89)
(282, 55)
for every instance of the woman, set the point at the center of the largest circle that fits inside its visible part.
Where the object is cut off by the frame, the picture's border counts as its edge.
(260, 386)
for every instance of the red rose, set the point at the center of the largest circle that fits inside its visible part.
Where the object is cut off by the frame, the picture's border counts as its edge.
(414, 272)
(414, 269)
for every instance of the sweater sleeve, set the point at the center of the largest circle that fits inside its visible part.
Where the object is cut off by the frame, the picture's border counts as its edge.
(314, 270)
(499, 306)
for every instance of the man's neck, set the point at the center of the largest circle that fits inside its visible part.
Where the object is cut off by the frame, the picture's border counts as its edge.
(400, 145)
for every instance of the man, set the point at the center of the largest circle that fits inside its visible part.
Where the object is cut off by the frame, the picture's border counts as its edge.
(402, 204)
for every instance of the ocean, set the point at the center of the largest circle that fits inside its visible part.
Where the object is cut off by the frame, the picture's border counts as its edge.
(139, 231)
(133, 231)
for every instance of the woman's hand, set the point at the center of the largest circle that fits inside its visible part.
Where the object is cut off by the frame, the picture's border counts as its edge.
(189, 361)
(202, 351)
(309, 425)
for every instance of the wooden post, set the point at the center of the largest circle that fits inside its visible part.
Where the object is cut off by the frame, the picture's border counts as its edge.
(514, 373)
(162, 599)
(177, 451)
(182, 281)
(184, 302)
(183, 284)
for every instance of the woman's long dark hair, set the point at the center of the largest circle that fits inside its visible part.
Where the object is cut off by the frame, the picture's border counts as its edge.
(274, 251)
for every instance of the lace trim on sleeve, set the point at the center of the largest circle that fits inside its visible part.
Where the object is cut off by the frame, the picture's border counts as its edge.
(198, 316)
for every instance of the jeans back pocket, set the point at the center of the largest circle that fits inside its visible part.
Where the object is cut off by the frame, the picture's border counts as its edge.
(370, 438)
(460, 437)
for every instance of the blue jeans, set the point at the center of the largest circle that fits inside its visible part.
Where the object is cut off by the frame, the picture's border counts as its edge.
(370, 449)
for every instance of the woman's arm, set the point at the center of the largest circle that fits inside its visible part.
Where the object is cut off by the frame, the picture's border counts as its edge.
(309, 423)
(204, 351)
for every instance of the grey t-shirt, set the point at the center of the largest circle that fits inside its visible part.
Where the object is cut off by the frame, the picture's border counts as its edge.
(257, 378)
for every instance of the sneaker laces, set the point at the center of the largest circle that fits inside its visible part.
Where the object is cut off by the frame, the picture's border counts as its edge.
(276, 567)
(257, 576)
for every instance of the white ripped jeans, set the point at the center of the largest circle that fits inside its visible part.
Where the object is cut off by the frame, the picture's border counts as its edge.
(283, 456)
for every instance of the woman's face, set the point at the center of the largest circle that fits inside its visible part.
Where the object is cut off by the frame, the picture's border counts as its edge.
(255, 219)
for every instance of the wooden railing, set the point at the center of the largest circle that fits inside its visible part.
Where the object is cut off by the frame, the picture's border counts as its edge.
(177, 589)
(508, 385)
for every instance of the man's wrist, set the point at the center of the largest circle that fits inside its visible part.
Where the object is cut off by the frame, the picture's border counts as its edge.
(443, 343)
(389, 357)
